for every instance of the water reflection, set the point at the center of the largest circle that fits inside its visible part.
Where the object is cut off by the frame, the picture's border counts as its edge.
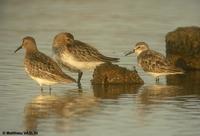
(70, 105)
(149, 94)
(190, 81)
(114, 91)
(151, 98)
(176, 86)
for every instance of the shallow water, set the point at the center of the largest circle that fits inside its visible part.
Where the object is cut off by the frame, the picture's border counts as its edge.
(171, 107)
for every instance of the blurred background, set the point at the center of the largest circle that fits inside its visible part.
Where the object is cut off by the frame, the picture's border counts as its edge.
(113, 27)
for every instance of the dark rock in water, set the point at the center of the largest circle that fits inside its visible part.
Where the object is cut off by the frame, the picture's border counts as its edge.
(183, 47)
(113, 74)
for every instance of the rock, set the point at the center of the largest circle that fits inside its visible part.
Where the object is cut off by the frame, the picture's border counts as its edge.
(108, 73)
(183, 47)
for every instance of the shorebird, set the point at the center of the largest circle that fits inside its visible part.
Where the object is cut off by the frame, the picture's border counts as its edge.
(153, 62)
(76, 55)
(40, 67)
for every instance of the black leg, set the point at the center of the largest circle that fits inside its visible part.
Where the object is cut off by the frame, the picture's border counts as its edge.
(79, 77)
(157, 79)
(41, 89)
(79, 86)
(50, 90)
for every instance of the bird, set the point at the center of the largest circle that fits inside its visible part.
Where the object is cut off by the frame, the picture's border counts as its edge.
(153, 62)
(41, 67)
(76, 55)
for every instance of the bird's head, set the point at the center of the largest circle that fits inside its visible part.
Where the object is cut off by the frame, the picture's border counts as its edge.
(139, 48)
(29, 44)
(63, 38)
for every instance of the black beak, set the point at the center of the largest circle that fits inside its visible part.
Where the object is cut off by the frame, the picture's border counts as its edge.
(18, 48)
(130, 52)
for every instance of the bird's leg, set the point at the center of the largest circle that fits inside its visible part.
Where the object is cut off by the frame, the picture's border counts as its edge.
(79, 86)
(41, 89)
(157, 79)
(79, 77)
(49, 89)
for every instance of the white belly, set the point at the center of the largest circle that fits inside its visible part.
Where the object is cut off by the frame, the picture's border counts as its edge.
(40, 80)
(157, 74)
(43, 81)
(80, 65)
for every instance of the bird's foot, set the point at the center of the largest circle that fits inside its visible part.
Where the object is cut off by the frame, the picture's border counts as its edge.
(79, 85)
(41, 89)
(49, 90)
(79, 77)
(157, 79)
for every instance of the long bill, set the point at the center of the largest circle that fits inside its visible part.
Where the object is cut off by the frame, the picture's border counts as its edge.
(130, 52)
(20, 47)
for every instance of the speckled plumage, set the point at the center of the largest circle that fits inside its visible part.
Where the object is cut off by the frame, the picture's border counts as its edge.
(153, 62)
(76, 55)
(40, 67)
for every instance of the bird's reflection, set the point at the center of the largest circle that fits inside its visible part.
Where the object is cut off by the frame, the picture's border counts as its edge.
(177, 88)
(151, 97)
(190, 81)
(176, 85)
(114, 91)
(149, 94)
(71, 104)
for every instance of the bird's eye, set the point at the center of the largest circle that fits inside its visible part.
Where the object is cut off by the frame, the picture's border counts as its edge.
(138, 47)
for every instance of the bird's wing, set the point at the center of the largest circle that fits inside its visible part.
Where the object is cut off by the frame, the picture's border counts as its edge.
(44, 67)
(152, 61)
(84, 52)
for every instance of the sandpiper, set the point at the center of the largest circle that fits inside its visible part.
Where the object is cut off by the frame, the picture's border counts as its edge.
(76, 55)
(40, 67)
(153, 62)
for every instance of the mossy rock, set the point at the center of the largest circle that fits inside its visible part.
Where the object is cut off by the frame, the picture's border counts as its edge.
(108, 73)
(183, 47)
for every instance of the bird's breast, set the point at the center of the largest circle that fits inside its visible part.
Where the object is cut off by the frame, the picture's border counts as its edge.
(27, 66)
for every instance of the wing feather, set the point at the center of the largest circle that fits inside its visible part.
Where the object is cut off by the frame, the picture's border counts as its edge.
(44, 67)
(152, 61)
(84, 52)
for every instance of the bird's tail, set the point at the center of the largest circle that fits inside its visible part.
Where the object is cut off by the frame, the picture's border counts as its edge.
(67, 79)
(109, 59)
(175, 70)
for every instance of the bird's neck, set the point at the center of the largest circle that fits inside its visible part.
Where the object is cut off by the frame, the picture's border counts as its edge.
(57, 45)
(60, 45)
(31, 51)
